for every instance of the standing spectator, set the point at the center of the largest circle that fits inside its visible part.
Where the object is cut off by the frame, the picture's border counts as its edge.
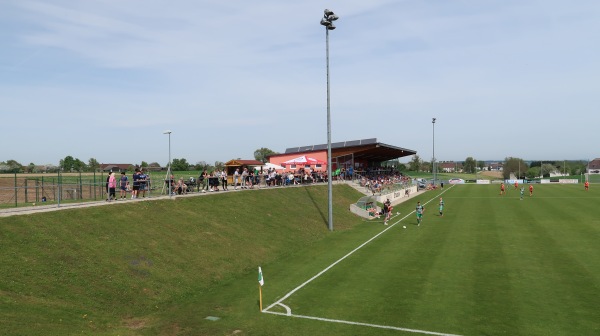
(136, 183)
(236, 178)
(250, 184)
(204, 179)
(244, 178)
(124, 185)
(112, 186)
(143, 182)
(272, 177)
(224, 179)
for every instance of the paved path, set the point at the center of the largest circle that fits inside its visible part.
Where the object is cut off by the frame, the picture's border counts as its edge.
(26, 210)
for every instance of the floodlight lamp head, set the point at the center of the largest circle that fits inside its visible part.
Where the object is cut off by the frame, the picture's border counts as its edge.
(328, 12)
(331, 27)
(325, 23)
(167, 132)
(332, 17)
(433, 120)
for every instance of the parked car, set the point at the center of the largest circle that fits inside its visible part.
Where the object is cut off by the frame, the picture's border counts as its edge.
(456, 181)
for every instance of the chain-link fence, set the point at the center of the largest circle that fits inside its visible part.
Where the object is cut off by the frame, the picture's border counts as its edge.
(45, 189)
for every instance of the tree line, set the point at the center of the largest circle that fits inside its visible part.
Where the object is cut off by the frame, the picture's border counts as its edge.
(515, 166)
(510, 166)
(73, 165)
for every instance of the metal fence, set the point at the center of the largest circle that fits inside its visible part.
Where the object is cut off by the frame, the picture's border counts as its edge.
(38, 189)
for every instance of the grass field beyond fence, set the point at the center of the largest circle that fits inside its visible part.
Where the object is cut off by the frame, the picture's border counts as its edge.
(492, 265)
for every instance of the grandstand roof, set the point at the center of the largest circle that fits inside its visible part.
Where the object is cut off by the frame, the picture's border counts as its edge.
(367, 149)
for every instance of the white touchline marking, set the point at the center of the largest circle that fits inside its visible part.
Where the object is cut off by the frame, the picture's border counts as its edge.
(365, 324)
(342, 258)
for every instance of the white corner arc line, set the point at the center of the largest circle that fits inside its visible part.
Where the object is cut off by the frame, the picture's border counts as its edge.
(288, 310)
(367, 324)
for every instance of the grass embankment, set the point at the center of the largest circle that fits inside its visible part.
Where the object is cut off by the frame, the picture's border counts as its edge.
(155, 267)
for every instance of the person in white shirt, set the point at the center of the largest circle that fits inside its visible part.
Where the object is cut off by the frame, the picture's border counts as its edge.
(236, 178)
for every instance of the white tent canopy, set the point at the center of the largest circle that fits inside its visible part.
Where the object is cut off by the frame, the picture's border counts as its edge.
(270, 165)
(304, 160)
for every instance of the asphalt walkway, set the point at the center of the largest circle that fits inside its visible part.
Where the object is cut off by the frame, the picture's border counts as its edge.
(26, 210)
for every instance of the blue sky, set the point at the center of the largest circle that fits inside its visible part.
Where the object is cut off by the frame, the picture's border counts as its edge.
(104, 78)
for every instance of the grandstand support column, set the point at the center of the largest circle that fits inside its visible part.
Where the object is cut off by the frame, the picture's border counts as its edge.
(327, 21)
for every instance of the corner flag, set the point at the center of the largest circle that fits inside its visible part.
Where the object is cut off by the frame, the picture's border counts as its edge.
(261, 280)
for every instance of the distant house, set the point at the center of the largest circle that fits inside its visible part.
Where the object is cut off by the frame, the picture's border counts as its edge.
(495, 166)
(45, 168)
(594, 167)
(449, 167)
(115, 167)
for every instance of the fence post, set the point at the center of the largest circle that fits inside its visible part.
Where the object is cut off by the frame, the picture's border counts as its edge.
(95, 185)
(58, 188)
(80, 187)
(16, 204)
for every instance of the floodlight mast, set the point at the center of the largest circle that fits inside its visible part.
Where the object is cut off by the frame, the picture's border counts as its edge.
(327, 21)
(433, 158)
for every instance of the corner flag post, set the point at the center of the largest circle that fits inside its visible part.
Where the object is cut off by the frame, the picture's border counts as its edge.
(261, 282)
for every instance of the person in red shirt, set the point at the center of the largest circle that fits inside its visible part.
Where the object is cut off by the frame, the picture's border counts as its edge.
(530, 190)
(516, 184)
(587, 185)
(502, 192)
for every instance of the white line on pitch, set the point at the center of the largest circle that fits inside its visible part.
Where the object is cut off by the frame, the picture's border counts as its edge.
(365, 324)
(339, 260)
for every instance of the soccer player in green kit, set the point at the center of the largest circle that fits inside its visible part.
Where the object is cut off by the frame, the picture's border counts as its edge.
(522, 192)
(441, 207)
(419, 210)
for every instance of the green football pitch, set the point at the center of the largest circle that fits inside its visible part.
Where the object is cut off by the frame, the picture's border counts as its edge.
(492, 265)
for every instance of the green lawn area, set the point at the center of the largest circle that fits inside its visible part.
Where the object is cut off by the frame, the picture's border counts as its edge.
(492, 265)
